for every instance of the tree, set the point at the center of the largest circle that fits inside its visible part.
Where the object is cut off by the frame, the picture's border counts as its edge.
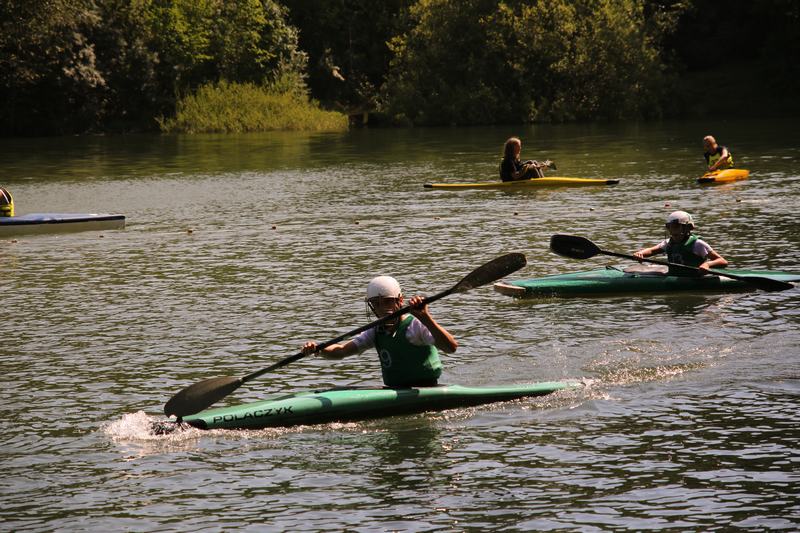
(346, 41)
(78, 65)
(483, 61)
(49, 80)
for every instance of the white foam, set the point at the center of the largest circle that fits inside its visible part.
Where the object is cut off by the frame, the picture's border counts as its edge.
(139, 426)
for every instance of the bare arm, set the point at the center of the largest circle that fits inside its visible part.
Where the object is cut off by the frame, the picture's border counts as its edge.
(723, 159)
(647, 252)
(334, 351)
(713, 260)
(443, 340)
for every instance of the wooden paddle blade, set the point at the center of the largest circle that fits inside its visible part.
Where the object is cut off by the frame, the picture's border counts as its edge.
(573, 246)
(199, 396)
(495, 269)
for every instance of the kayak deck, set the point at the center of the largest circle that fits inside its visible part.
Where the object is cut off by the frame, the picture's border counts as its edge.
(38, 223)
(351, 404)
(522, 184)
(724, 176)
(614, 281)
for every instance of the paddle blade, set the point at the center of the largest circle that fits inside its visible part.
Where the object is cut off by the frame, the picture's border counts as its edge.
(573, 246)
(495, 269)
(199, 396)
(765, 284)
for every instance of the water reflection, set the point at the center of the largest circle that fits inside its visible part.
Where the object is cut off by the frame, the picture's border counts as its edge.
(407, 454)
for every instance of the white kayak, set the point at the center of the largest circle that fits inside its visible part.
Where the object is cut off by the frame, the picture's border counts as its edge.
(37, 223)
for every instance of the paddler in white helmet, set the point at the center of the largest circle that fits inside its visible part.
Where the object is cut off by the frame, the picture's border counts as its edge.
(408, 346)
(683, 248)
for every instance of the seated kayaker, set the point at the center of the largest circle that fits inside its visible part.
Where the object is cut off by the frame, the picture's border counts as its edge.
(407, 346)
(717, 157)
(512, 169)
(683, 248)
(6, 203)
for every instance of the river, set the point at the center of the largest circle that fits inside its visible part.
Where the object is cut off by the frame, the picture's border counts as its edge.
(238, 249)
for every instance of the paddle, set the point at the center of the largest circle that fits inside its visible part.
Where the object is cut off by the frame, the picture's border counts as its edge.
(199, 396)
(582, 248)
(708, 177)
(542, 164)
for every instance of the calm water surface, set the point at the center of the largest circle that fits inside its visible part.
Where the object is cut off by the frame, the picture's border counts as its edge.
(240, 248)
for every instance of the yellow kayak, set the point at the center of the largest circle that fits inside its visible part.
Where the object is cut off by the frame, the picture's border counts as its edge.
(523, 184)
(724, 176)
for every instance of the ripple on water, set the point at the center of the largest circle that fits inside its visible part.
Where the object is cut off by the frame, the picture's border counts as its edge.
(688, 420)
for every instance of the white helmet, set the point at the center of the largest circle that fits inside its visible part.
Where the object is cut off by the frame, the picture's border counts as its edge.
(385, 286)
(681, 217)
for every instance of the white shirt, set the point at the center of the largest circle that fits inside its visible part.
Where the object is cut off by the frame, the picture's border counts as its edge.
(416, 333)
(700, 248)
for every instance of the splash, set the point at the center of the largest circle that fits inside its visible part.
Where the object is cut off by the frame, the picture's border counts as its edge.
(622, 374)
(140, 426)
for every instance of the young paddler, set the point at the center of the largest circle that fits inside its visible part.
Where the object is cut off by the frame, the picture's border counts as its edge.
(684, 248)
(408, 346)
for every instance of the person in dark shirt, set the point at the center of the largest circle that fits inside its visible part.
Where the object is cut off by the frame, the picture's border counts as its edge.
(512, 169)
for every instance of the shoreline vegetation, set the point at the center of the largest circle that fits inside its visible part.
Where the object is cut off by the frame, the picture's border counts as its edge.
(117, 66)
(246, 107)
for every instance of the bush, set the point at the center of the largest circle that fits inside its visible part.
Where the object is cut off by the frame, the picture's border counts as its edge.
(245, 107)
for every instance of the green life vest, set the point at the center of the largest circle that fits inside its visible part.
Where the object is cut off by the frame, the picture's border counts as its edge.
(683, 254)
(404, 364)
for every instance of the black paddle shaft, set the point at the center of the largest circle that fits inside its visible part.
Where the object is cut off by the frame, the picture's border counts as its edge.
(582, 248)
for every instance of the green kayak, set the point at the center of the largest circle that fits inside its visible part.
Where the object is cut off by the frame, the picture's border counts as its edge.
(349, 404)
(614, 281)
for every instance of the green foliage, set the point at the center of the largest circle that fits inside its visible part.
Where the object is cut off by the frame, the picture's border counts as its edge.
(442, 69)
(129, 63)
(48, 72)
(78, 65)
(482, 61)
(201, 41)
(243, 107)
(73, 66)
(346, 41)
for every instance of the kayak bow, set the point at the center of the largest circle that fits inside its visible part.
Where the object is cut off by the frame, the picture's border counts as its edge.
(724, 176)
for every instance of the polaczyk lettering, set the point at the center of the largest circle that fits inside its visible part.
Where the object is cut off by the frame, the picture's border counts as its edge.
(258, 413)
